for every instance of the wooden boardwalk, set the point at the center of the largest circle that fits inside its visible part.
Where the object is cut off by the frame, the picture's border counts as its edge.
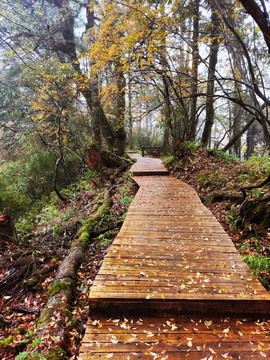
(172, 285)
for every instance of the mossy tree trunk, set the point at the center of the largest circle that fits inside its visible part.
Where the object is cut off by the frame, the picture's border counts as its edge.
(56, 318)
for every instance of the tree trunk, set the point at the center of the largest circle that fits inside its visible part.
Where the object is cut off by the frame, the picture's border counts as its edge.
(242, 131)
(89, 89)
(7, 228)
(130, 118)
(252, 131)
(261, 17)
(194, 72)
(58, 162)
(209, 120)
(167, 117)
(120, 133)
(237, 112)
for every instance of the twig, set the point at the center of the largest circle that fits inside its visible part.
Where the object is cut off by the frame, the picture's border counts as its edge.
(24, 309)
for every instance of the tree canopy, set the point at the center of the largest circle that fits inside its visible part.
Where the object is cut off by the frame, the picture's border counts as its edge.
(161, 72)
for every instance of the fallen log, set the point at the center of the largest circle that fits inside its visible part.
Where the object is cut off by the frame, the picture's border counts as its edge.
(56, 317)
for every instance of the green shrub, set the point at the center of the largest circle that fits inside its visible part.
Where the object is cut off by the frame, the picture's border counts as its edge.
(234, 217)
(27, 183)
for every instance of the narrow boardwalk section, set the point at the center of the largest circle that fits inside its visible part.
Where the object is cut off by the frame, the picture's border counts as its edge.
(172, 285)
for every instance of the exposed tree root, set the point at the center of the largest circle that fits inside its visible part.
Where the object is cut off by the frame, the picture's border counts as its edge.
(256, 210)
(265, 182)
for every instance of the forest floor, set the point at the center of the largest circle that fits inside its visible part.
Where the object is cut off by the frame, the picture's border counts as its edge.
(216, 178)
(28, 269)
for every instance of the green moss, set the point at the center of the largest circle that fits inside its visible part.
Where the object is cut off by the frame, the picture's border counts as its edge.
(59, 286)
(57, 354)
(81, 239)
(83, 234)
(259, 209)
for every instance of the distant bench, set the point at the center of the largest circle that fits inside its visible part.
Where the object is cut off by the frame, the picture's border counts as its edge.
(151, 150)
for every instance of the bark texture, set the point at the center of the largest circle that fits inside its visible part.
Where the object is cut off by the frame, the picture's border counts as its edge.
(209, 119)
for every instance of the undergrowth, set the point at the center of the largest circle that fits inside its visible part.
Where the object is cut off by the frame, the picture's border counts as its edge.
(218, 178)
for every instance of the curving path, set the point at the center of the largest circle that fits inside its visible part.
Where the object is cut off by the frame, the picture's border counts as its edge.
(172, 285)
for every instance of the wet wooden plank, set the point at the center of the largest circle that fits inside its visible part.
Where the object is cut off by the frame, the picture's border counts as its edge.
(176, 338)
(168, 234)
(172, 257)
(148, 166)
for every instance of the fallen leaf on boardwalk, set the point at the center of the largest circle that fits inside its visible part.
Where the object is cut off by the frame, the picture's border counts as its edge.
(109, 356)
(263, 354)
(131, 340)
(208, 323)
(153, 354)
(225, 355)
(114, 341)
(189, 344)
(226, 330)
